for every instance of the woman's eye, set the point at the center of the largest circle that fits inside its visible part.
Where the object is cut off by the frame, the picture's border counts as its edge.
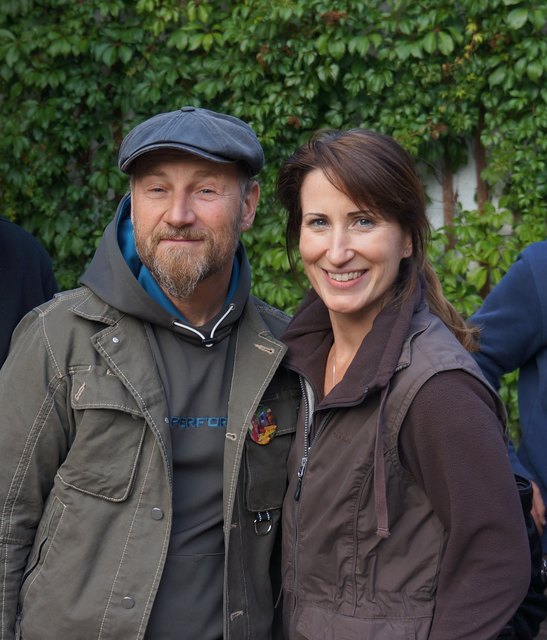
(365, 222)
(317, 222)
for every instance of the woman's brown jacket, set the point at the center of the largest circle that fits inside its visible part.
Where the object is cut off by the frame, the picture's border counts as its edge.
(402, 519)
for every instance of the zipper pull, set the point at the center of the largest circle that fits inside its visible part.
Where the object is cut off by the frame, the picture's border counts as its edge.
(300, 477)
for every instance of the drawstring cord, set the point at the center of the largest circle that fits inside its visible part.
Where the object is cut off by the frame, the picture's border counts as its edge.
(207, 341)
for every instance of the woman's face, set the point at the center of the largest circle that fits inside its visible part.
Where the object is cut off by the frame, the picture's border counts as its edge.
(350, 255)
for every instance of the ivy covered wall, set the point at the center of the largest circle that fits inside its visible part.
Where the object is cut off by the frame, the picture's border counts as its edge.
(443, 77)
(439, 75)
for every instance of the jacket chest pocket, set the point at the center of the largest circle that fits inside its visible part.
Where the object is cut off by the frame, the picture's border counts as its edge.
(265, 457)
(109, 431)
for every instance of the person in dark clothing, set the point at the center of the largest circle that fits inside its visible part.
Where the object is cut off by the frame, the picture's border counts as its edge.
(402, 518)
(513, 325)
(146, 416)
(26, 278)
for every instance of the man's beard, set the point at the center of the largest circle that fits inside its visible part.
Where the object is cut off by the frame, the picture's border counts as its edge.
(179, 270)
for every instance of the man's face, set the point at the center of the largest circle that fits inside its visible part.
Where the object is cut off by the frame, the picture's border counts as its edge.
(187, 214)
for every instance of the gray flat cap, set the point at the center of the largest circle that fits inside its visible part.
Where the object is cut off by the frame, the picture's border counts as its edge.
(214, 136)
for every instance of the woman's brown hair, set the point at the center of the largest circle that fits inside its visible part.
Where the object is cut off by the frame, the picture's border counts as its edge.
(372, 169)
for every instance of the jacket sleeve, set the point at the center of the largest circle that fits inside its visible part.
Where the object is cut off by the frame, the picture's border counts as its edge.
(513, 317)
(451, 442)
(33, 441)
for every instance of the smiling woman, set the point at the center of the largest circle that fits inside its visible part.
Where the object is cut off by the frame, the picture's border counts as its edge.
(399, 451)
(351, 257)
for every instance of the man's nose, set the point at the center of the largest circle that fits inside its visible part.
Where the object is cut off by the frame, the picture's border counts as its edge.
(180, 211)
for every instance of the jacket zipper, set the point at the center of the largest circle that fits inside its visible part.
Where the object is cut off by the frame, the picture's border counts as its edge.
(307, 443)
(301, 471)
(304, 461)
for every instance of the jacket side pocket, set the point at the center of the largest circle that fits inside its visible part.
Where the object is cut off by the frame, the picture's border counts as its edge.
(42, 542)
(266, 464)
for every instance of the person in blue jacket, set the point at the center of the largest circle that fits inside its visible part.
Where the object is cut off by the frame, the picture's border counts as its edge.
(513, 323)
(26, 278)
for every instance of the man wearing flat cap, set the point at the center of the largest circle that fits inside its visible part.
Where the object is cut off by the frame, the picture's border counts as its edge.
(146, 417)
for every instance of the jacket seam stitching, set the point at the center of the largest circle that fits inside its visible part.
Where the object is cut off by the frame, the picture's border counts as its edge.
(159, 568)
(124, 551)
(17, 483)
(241, 440)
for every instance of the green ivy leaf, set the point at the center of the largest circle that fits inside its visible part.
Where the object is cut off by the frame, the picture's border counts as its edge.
(497, 77)
(359, 44)
(403, 50)
(336, 49)
(125, 53)
(538, 18)
(322, 44)
(446, 44)
(416, 50)
(178, 39)
(430, 42)
(534, 70)
(517, 18)
(7, 35)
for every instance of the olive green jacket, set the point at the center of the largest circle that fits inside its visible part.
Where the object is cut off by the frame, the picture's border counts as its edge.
(86, 478)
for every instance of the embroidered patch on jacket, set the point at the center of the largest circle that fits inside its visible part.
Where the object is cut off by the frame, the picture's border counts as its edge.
(263, 426)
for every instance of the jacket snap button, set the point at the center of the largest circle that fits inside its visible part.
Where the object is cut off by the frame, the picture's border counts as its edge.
(157, 513)
(128, 602)
(115, 340)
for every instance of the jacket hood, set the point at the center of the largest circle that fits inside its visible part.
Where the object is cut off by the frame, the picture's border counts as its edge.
(118, 277)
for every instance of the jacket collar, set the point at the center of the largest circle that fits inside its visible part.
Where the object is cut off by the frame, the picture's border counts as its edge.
(383, 351)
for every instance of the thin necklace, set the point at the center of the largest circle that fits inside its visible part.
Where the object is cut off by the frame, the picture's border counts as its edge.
(334, 366)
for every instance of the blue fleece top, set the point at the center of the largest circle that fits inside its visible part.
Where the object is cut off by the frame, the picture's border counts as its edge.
(513, 322)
